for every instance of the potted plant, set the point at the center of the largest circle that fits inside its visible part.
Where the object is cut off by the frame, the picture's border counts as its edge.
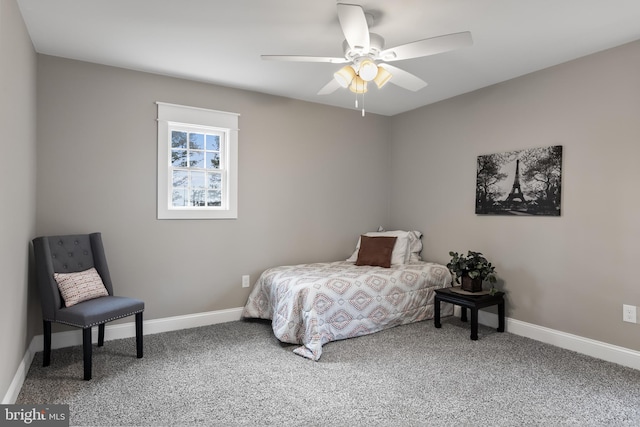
(473, 269)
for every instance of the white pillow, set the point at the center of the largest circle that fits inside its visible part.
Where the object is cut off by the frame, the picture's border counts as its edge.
(415, 246)
(80, 286)
(400, 254)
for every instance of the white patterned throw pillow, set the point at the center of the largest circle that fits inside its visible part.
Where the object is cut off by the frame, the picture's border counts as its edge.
(80, 286)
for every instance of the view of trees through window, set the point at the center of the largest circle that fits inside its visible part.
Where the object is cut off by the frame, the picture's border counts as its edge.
(197, 168)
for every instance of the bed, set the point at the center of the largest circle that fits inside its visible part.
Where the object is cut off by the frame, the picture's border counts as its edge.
(313, 304)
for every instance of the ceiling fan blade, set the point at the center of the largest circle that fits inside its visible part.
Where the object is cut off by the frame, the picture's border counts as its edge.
(354, 26)
(330, 87)
(299, 58)
(427, 47)
(403, 78)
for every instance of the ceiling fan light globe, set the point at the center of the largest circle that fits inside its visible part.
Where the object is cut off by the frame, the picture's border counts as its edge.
(382, 77)
(367, 70)
(345, 76)
(358, 85)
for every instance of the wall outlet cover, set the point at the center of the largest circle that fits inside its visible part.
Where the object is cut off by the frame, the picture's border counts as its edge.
(629, 313)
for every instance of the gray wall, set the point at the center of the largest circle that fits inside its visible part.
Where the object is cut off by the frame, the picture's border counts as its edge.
(17, 185)
(570, 273)
(311, 178)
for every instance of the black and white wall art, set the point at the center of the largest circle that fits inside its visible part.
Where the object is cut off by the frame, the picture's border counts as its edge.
(525, 182)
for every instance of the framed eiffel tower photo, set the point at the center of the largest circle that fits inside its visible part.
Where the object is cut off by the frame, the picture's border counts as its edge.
(525, 182)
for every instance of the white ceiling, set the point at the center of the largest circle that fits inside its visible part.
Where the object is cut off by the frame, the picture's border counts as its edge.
(220, 42)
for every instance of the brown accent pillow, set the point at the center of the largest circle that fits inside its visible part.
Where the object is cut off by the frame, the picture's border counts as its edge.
(376, 251)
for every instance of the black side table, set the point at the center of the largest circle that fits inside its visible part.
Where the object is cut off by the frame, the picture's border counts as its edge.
(473, 302)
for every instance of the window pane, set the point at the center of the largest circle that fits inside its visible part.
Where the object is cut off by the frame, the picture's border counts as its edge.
(179, 197)
(197, 180)
(215, 181)
(214, 198)
(213, 160)
(196, 141)
(180, 178)
(196, 159)
(178, 139)
(179, 158)
(213, 142)
(197, 198)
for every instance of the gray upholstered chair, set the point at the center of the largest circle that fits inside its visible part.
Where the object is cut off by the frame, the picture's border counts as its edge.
(70, 254)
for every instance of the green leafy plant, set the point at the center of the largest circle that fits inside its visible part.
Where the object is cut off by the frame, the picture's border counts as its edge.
(474, 265)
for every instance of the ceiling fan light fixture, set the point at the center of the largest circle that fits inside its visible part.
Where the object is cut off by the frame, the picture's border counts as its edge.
(358, 85)
(382, 77)
(345, 75)
(367, 70)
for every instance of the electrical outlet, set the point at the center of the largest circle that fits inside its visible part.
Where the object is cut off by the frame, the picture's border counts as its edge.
(246, 281)
(629, 313)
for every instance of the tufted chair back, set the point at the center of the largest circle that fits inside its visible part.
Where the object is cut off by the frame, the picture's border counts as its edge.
(67, 254)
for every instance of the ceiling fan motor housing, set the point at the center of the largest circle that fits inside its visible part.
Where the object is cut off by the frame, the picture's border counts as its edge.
(376, 44)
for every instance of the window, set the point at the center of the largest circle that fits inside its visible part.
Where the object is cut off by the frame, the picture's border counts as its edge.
(197, 163)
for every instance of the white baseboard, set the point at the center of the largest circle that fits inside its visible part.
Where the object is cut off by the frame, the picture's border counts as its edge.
(600, 350)
(114, 332)
(128, 330)
(18, 379)
(597, 349)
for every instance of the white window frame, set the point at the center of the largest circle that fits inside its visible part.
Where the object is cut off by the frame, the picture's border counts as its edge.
(180, 116)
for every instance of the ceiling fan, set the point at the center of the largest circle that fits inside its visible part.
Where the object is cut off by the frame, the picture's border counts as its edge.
(367, 58)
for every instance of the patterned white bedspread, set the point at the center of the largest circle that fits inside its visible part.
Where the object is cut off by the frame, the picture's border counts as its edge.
(313, 304)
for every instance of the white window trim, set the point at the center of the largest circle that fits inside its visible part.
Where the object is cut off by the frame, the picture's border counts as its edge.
(193, 116)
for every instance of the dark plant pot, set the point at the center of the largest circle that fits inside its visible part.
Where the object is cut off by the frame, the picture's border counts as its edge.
(471, 285)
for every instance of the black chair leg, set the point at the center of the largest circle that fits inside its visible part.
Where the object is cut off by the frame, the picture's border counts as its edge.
(86, 350)
(139, 334)
(46, 332)
(101, 335)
